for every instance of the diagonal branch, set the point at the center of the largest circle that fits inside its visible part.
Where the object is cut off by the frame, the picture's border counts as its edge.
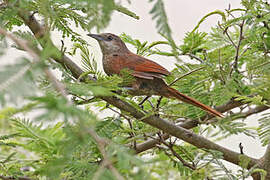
(23, 44)
(188, 125)
(255, 110)
(174, 153)
(101, 144)
(235, 66)
(266, 161)
(40, 32)
(195, 139)
(14, 178)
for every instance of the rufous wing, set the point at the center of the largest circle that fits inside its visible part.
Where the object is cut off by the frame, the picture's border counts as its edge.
(142, 67)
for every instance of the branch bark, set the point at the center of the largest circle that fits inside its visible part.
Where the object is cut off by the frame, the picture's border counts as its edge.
(14, 178)
(266, 161)
(255, 110)
(188, 125)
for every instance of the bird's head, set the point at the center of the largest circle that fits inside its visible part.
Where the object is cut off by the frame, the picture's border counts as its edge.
(109, 43)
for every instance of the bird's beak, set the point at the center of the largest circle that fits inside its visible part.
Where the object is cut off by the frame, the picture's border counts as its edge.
(96, 36)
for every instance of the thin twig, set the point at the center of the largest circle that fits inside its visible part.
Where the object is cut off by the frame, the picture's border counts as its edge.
(220, 68)
(238, 46)
(174, 153)
(158, 102)
(184, 75)
(141, 103)
(132, 134)
(194, 57)
(177, 79)
(225, 31)
(101, 144)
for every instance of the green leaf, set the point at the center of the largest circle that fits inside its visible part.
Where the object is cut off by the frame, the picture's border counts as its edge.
(124, 10)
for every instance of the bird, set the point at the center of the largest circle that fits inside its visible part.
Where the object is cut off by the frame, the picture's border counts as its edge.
(148, 75)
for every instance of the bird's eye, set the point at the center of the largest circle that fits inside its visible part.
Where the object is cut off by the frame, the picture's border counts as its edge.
(109, 38)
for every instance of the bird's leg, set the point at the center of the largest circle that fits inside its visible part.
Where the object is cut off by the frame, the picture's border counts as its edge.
(128, 88)
(141, 103)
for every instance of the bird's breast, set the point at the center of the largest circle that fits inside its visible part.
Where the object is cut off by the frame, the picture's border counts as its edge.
(111, 65)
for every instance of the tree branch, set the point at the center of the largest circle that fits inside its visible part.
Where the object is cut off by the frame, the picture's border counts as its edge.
(174, 153)
(255, 110)
(195, 139)
(23, 44)
(101, 144)
(39, 32)
(14, 178)
(238, 46)
(266, 161)
(188, 125)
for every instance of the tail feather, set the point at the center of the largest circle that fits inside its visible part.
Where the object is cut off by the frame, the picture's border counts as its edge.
(176, 94)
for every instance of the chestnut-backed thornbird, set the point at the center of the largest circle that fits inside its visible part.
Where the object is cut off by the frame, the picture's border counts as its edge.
(148, 75)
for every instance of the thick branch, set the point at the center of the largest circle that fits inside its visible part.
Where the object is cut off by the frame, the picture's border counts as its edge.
(39, 33)
(188, 125)
(195, 139)
(14, 178)
(266, 158)
(266, 161)
(255, 110)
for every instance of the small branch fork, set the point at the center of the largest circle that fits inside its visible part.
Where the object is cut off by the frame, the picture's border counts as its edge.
(235, 65)
(174, 153)
(236, 46)
(102, 143)
(132, 134)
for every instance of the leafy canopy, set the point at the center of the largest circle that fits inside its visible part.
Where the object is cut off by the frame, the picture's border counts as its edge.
(44, 136)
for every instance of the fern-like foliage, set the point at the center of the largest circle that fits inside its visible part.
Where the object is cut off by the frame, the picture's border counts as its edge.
(44, 135)
(159, 14)
(264, 129)
(143, 48)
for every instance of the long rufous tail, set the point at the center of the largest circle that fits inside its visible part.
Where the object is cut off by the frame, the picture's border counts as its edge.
(176, 94)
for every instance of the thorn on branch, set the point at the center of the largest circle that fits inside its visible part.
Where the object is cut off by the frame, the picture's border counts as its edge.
(241, 148)
(62, 46)
(32, 15)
